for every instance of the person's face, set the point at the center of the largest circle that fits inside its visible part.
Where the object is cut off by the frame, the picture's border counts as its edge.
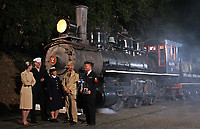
(35, 63)
(29, 68)
(54, 73)
(70, 67)
(88, 67)
(38, 64)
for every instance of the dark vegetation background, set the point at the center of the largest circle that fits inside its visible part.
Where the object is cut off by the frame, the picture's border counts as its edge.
(26, 26)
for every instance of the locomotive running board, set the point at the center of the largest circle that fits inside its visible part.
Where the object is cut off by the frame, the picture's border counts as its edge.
(142, 73)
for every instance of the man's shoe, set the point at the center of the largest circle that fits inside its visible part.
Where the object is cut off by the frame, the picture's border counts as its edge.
(66, 121)
(90, 124)
(55, 120)
(73, 123)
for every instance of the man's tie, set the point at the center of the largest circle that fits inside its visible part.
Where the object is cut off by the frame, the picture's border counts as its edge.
(69, 74)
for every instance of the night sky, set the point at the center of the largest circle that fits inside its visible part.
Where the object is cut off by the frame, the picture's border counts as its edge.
(183, 26)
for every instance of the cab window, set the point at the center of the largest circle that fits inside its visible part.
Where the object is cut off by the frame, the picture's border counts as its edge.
(173, 53)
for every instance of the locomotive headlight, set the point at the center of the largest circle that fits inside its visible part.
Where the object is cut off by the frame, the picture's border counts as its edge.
(64, 26)
(61, 26)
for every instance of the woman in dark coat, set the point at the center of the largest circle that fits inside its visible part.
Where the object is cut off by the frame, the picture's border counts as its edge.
(55, 89)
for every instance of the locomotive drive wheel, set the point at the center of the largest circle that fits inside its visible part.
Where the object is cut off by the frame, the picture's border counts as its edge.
(137, 102)
(151, 100)
(133, 102)
(118, 105)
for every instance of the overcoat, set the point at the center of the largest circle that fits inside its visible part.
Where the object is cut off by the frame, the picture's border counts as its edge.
(26, 91)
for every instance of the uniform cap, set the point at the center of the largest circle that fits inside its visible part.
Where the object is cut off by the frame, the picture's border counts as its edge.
(70, 63)
(38, 59)
(88, 62)
(52, 69)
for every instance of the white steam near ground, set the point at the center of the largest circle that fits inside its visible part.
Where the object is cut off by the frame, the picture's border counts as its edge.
(106, 111)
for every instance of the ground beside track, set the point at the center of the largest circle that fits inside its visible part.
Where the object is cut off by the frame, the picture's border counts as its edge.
(163, 115)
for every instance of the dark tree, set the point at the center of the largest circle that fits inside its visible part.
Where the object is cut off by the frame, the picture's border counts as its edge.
(28, 25)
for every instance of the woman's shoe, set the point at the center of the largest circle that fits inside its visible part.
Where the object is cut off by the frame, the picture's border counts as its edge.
(51, 120)
(55, 120)
(27, 124)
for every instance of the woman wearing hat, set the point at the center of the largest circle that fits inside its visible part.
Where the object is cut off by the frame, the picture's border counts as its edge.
(55, 89)
(26, 93)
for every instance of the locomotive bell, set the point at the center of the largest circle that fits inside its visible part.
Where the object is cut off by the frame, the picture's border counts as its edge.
(111, 40)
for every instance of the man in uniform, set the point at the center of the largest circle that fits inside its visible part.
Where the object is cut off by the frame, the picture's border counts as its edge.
(90, 80)
(38, 91)
(70, 80)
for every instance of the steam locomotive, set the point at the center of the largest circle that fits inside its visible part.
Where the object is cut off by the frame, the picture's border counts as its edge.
(130, 73)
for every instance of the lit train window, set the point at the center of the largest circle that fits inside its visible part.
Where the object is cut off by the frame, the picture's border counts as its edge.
(152, 48)
(161, 51)
(161, 47)
(169, 54)
(145, 48)
(173, 53)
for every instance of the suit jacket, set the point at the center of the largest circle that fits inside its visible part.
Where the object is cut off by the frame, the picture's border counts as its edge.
(90, 81)
(55, 87)
(69, 82)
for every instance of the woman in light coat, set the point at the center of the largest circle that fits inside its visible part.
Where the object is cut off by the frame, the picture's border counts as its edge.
(26, 93)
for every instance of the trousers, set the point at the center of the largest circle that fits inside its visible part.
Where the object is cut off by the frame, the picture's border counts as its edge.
(90, 109)
(38, 98)
(71, 107)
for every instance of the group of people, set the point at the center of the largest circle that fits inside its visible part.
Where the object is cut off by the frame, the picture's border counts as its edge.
(34, 83)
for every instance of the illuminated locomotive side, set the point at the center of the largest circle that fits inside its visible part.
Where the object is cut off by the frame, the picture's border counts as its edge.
(129, 74)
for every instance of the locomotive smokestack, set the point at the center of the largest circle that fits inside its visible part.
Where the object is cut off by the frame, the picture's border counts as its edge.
(81, 21)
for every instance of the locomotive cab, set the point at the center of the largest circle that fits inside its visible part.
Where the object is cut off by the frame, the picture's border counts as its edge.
(165, 54)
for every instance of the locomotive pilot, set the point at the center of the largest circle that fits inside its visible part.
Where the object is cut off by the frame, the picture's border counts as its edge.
(70, 80)
(90, 79)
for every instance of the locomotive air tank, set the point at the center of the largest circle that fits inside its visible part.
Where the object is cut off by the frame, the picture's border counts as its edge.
(78, 50)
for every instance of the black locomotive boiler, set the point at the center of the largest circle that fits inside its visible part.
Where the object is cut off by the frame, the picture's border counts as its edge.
(130, 73)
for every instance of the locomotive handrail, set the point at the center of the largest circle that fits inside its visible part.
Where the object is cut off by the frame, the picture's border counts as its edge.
(141, 73)
(75, 45)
